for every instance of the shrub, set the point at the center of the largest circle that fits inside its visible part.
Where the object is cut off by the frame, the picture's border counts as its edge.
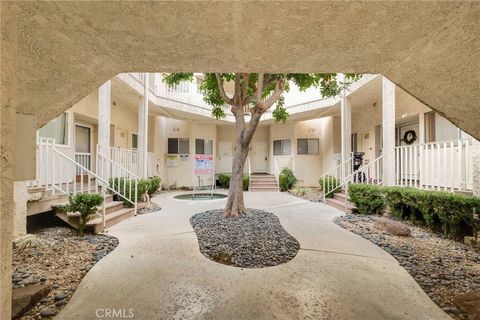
(286, 179)
(367, 198)
(153, 185)
(246, 182)
(86, 204)
(446, 211)
(224, 181)
(331, 185)
(126, 188)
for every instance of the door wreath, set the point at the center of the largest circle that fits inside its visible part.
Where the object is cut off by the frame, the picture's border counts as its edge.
(410, 136)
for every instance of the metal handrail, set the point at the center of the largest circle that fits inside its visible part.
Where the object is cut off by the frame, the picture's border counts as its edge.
(359, 173)
(331, 172)
(129, 174)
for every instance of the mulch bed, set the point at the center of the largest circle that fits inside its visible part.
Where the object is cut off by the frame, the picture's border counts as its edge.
(59, 258)
(442, 267)
(254, 240)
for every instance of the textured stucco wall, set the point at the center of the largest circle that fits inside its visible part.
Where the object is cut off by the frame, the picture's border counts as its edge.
(20, 195)
(69, 49)
(8, 101)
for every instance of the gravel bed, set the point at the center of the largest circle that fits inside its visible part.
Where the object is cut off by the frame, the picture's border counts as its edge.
(149, 207)
(254, 240)
(311, 194)
(442, 267)
(58, 257)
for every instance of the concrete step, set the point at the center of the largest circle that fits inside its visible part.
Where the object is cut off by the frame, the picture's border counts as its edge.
(263, 177)
(112, 206)
(264, 181)
(270, 184)
(340, 205)
(111, 219)
(339, 196)
(264, 190)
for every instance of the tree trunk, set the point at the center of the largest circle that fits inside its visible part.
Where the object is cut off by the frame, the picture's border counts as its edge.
(235, 205)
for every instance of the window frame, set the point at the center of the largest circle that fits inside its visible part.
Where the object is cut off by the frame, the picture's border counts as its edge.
(187, 140)
(282, 145)
(204, 144)
(308, 153)
(131, 139)
(69, 124)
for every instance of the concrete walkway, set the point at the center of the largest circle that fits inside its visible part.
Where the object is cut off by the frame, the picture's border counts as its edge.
(157, 272)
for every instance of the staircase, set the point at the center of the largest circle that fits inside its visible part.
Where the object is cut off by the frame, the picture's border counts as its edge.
(338, 202)
(115, 212)
(61, 176)
(263, 183)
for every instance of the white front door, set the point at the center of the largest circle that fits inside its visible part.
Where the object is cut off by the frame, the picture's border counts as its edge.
(225, 157)
(121, 138)
(260, 157)
(368, 146)
(83, 145)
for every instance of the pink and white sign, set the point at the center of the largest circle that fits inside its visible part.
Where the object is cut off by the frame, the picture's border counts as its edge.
(203, 164)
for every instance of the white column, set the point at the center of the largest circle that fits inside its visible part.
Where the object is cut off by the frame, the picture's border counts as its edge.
(346, 122)
(104, 102)
(388, 124)
(421, 127)
(143, 130)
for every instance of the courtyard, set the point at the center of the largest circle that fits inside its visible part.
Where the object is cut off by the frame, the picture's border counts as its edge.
(158, 272)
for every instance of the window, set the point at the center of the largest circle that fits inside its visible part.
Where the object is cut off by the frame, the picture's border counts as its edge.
(178, 146)
(203, 146)
(354, 142)
(282, 147)
(56, 129)
(134, 141)
(307, 146)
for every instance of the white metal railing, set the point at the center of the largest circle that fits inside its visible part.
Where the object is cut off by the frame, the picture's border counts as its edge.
(60, 173)
(335, 176)
(370, 173)
(281, 162)
(277, 172)
(118, 179)
(129, 159)
(84, 159)
(445, 165)
(126, 158)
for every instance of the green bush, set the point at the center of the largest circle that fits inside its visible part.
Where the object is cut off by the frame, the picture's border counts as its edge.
(367, 198)
(286, 180)
(86, 204)
(246, 182)
(331, 185)
(126, 188)
(153, 185)
(224, 181)
(445, 211)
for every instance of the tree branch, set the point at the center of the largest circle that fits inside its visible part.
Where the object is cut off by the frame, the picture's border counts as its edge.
(221, 89)
(279, 88)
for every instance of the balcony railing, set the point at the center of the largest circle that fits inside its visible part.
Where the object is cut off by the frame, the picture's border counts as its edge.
(445, 165)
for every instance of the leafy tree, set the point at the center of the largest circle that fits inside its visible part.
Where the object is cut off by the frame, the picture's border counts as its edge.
(254, 94)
